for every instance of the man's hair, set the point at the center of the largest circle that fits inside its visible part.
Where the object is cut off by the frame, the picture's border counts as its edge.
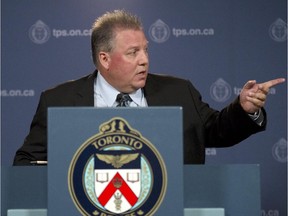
(105, 27)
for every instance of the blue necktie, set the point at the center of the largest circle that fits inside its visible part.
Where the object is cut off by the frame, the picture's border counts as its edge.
(123, 100)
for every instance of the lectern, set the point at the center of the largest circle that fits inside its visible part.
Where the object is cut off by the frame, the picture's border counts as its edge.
(125, 162)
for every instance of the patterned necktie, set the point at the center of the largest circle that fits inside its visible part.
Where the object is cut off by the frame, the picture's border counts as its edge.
(123, 100)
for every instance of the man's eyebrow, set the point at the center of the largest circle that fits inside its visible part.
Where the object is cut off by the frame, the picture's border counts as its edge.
(137, 46)
(133, 48)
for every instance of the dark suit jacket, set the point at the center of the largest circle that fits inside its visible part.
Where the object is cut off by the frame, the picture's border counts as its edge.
(203, 126)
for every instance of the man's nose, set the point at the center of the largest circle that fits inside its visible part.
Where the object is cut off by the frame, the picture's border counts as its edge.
(144, 58)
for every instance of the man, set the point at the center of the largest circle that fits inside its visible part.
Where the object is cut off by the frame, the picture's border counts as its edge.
(119, 51)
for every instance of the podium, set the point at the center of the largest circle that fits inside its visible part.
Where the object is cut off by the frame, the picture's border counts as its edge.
(73, 133)
(115, 161)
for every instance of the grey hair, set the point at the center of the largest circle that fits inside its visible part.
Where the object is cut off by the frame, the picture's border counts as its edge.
(104, 29)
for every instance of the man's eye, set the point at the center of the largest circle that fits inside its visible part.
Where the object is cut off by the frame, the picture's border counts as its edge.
(133, 52)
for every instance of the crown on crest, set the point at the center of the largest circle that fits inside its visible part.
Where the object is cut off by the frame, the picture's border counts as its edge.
(117, 182)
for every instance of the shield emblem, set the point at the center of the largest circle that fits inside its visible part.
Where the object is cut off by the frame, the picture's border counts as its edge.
(117, 179)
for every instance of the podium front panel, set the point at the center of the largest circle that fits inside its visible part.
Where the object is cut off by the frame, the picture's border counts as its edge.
(78, 180)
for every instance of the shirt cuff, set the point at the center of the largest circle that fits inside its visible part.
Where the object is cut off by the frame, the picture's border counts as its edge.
(257, 117)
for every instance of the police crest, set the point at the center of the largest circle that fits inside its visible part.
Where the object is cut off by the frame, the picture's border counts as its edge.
(117, 172)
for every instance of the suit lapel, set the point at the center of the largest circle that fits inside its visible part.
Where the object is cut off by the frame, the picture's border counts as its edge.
(150, 91)
(85, 95)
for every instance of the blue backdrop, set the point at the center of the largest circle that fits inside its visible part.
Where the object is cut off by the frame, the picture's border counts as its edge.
(218, 45)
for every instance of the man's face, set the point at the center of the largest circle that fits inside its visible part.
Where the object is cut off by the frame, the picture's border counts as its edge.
(127, 64)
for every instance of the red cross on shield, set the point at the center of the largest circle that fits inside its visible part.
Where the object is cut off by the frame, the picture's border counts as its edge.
(117, 190)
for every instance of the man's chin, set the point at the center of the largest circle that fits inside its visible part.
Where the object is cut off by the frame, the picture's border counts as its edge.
(139, 85)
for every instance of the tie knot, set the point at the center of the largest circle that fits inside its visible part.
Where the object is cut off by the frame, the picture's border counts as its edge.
(123, 100)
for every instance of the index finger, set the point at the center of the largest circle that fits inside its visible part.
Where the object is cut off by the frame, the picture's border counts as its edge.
(274, 82)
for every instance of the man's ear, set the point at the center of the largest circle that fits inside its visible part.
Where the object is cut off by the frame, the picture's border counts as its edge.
(104, 59)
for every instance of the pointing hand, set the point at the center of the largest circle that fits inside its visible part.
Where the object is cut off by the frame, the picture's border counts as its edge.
(253, 95)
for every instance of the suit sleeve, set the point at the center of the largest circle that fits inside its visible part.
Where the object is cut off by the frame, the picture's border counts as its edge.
(227, 127)
(35, 144)
(235, 124)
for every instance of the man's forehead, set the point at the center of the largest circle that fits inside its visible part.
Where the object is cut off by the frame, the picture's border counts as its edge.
(130, 36)
(121, 31)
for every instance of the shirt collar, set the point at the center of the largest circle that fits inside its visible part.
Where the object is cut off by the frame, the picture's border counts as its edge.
(137, 97)
(108, 93)
(105, 90)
